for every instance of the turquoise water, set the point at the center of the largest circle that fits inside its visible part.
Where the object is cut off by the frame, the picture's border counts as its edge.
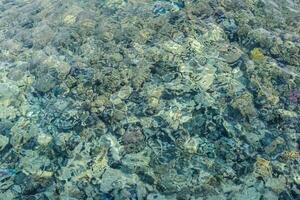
(141, 99)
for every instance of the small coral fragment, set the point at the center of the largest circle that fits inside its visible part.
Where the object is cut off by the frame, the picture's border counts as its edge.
(257, 55)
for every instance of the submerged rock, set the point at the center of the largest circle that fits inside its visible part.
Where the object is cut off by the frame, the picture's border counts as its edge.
(138, 99)
(45, 83)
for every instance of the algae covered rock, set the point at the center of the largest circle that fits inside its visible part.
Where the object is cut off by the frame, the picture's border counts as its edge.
(244, 103)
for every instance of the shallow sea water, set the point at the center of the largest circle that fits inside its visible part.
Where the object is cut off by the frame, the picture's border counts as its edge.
(149, 99)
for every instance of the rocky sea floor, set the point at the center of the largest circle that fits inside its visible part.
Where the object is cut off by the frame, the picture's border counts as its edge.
(149, 99)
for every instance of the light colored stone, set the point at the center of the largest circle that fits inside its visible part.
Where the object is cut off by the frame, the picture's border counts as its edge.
(173, 47)
(3, 142)
(248, 193)
(125, 92)
(44, 139)
(62, 67)
(207, 78)
(269, 195)
(7, 92)
(277, 184)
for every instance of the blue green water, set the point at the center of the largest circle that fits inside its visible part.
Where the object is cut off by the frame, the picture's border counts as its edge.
(155, 100)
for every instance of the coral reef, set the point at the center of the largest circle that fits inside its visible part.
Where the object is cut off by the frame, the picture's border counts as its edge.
(138, 99)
